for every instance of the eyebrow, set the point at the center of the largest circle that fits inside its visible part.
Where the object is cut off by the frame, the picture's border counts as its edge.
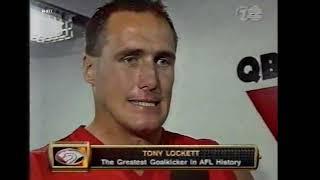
(166, 54)
(138, 52)
(127, 52)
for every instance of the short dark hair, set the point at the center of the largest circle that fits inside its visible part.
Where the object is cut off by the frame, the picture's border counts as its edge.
(95, 26)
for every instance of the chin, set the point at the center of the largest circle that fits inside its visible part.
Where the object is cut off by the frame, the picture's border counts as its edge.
(146, 126)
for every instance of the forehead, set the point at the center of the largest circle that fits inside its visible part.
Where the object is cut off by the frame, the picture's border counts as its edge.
(138, 29)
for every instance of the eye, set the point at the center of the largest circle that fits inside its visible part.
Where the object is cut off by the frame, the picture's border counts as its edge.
(129, 59)
(163, 62)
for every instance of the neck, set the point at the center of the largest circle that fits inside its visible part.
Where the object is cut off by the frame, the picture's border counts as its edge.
(110, 132)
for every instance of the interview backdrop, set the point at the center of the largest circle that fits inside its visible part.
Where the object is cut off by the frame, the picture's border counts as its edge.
(225, 85)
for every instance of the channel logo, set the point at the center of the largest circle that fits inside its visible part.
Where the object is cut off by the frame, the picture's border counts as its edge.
(69, 157)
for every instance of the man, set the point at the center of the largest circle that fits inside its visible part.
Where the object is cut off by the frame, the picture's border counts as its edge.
(129, 63)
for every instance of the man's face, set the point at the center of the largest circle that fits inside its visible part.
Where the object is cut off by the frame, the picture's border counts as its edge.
(135, 73)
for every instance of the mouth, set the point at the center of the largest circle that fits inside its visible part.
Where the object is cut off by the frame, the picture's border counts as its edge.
(143, 103)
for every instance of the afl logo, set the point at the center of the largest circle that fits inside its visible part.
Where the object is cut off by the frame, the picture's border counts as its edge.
(69, 156)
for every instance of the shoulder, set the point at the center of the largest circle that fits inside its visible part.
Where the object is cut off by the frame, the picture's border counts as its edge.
(39, 156)
(172, 138)
(180, 139)
(39, 163)
(39, 153)
(40, 150)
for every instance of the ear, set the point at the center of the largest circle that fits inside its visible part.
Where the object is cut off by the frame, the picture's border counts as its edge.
(89, 68)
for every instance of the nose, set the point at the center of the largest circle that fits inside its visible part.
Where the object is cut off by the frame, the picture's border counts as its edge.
(148, 77)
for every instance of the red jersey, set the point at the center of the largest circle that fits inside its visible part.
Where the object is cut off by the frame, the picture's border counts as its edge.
(40, 167)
